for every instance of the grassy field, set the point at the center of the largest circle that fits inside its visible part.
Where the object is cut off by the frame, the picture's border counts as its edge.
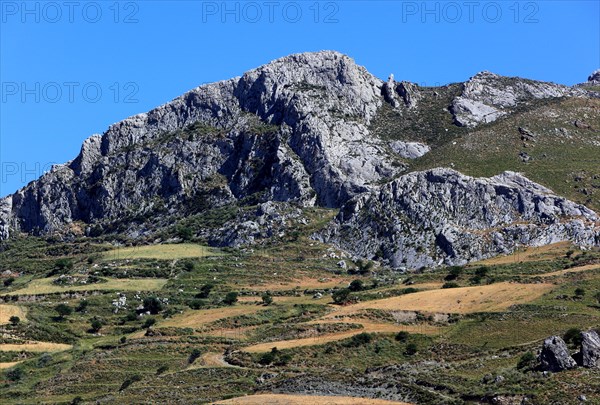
(217, 351)
(46, 286)
(7, 311)
(283, 399)
(366, 327)
(486, 298)
(196, 319)
(529, 254)
(161, 252)
(36, 347)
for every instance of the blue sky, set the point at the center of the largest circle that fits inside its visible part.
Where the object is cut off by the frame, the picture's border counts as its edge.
(70, 69)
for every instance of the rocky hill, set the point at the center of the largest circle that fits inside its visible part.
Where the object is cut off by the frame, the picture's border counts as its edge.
(316, 129)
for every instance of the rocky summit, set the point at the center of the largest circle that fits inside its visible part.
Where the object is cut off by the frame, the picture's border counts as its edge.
(315, 130)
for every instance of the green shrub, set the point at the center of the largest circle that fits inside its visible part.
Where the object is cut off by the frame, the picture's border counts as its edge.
(152, 305)
(579, 292)
(96, 324)
(450, 284)
(230, 298)
(527, 361)
(573, 336)
(454, 273)
(15, 374)
(197, 304)
(205, 291)
(63, 310)
(44, 360)
(402, 336)
(9, 281)
(356, 285)
(82, 306)
(267, 299)
(162, 370)
(14, 320)
(341, 296)
(130, 380)
(194, 355)
(149, 322)
(359, 340)
(411, 349)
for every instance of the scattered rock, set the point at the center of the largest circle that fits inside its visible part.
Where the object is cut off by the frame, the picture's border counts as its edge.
(555, 355)
(525, 158)
(526, 135)
(409, 150)
(590, 349)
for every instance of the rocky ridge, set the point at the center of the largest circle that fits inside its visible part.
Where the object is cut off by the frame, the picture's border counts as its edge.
(296, 132)
(440, 216)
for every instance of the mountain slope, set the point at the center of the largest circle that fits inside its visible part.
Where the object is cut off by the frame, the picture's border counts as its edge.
(304, 130)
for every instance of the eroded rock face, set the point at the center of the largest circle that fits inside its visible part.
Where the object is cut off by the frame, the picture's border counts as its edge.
(555, 355)
(440, 216)
(487, 97)
(295, 130)
(590, 349)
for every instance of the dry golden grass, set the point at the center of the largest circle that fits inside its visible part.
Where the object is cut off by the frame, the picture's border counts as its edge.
(530, 254)
(35, 347)
(571, 270)
(162, 252)
(367, 326)
(6, 311)
(197, 318)
(285, 399)
(45, 286)
(486, 298)
(9, 365)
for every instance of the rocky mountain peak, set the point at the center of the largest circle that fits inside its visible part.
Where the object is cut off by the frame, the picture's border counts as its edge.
(594, 77)
(304, 130)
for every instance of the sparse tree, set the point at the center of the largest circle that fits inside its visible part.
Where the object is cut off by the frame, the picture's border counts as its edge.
(96, 325)
(152, 305)
(411, 349)
(63, 310)
(341, 296)
(231, 298)
(14, 320)
(356, 285)
(194, 355)
(267, 299)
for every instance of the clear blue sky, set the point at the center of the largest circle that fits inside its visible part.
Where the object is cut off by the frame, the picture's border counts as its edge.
(141, 54)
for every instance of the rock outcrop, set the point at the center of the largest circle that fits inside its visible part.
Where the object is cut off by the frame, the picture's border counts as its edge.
(295, 130)
(555, 355)
(439, 216)
(590, 349)
(487, 97)
(594, 78)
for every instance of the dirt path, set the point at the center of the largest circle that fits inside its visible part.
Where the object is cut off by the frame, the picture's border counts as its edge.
(285, 399)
